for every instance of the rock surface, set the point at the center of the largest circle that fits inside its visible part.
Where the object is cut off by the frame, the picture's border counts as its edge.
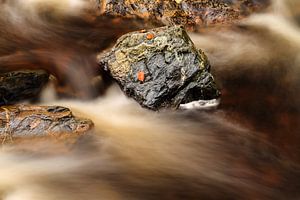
(32, 121)
(189, 13)
(21, 85)
(160, 68)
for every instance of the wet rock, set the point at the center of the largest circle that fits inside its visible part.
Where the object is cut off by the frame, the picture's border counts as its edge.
(160, 68)
(21, 85)
(23, 121)
(190, 13)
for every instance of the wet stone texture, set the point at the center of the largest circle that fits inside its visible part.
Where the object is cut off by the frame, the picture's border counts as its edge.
(21, 85)
(190, 13)
(160, 68)
(29, 121)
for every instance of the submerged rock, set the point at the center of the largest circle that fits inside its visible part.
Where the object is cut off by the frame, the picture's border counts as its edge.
(31, 121)
(160, 68)
(21, 85)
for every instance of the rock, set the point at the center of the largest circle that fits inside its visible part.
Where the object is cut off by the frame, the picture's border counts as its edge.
(22, 121)
(160, 68)
(21, 85)
(190, 13)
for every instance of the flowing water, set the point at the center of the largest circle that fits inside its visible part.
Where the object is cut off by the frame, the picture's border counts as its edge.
(248, 148)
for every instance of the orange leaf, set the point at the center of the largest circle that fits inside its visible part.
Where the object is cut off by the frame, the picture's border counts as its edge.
(150, 36)
(141, 76)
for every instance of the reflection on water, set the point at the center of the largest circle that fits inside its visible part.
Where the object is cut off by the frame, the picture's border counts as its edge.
(248, 148)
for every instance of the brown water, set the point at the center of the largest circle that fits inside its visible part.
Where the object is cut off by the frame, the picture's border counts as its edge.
(248, 148)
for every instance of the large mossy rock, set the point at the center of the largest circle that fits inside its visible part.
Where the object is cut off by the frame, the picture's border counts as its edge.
(23, 121)
(20, 85)
(160, 68)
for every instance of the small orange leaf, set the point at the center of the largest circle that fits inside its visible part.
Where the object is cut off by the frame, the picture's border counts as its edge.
(141, 76)
(150, 36)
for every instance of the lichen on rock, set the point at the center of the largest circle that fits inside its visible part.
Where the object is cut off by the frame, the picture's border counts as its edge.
(192, 14)
(174, 72)
(23, 121)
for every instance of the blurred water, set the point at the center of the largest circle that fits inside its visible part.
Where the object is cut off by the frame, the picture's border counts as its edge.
(248, 148)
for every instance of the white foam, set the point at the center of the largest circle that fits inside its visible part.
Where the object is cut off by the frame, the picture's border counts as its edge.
(200, 104)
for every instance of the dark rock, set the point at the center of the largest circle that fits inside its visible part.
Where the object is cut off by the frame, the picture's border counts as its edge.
(30, 121)
(160, 68)
(21, 85)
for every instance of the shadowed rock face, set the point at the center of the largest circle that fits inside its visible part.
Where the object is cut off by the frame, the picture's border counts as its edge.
(27, 121)
(190, 13)
(21, 85)
(160, 68)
